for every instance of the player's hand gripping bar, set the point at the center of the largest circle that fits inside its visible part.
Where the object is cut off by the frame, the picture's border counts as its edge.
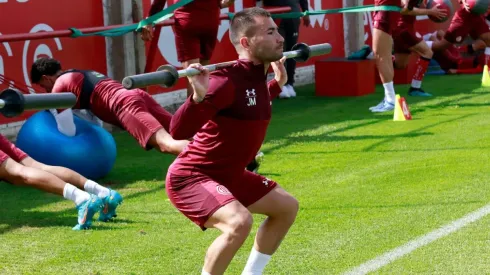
(167, 75)
(13, 102)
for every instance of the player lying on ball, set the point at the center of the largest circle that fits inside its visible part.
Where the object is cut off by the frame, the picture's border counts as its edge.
(133, 110)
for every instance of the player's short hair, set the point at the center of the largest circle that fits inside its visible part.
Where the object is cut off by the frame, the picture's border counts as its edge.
(243, 23)
(44, 66)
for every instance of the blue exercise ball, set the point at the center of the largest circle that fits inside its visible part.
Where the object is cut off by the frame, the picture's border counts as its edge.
(91, 152)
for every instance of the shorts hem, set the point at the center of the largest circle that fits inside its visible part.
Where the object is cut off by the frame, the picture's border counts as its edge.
(263, 195)
(147, 146)
(216, 208)
(23, 157)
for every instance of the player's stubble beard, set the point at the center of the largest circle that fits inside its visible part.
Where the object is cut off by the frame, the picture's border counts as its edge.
(268, 54)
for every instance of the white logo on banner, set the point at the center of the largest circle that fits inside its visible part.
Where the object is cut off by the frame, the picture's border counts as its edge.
(41, 49)
(2, 66)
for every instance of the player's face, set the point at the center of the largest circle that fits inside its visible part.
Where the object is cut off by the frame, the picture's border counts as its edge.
(267, 44)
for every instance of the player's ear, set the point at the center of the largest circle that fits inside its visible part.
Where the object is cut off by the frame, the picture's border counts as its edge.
(43, 78)
(245, 42)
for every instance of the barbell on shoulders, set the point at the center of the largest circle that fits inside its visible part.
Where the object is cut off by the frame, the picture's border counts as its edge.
(14, 103)
(167, 75)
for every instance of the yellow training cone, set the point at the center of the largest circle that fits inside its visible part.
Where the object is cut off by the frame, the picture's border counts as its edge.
(402, 112)
(485, 81)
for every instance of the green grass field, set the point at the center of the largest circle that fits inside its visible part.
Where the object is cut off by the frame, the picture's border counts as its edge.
(366, 185)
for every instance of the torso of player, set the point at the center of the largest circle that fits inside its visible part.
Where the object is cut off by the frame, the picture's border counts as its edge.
(227, 143)
(103, 100)
(202, 10)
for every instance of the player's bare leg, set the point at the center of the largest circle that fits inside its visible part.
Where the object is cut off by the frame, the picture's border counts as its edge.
(62, 173)
(382, 46)
(281, 209)
(163, 142)
(477, 45)
(18, 174)
(235, 222)
(440, 45)
(110, 198)
(401, 60)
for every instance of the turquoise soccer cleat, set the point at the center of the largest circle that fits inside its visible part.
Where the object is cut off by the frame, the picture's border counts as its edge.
(86, 211)
(110, 203)
(418, 92)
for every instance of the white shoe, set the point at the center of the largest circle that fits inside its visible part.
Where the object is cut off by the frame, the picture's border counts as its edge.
(291, 91)
(378, 106)
(284, 93)
(387, 106)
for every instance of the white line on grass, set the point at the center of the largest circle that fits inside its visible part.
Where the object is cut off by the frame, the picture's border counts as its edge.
(407, 248)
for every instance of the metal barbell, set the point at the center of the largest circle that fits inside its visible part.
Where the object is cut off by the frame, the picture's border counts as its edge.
(167, 75)
(14, 103)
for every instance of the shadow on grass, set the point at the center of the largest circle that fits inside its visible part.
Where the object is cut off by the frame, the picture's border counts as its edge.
(17, 204)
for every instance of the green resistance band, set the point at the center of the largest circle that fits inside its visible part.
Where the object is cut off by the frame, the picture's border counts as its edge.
(368, 8)
(154, 19)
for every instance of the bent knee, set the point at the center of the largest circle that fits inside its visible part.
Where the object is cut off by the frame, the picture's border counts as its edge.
(428, 54)
(383, 56)
(18, 174)
(240, 224)
(291, 206)
(285, 209)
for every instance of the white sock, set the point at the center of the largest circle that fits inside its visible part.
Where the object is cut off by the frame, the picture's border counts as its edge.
(256, 263)
(416, 84)
(96, 189)
(429, 43)
(205, 272)
(389, 92)
(487, 51)
(74, 194)
(487, 55)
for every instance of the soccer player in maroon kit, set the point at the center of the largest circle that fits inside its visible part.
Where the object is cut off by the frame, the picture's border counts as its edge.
(196, 30)
(463, 23)
(383, 25)
(406, 41)
(133, 110)
(452, 62)
(228, 115)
